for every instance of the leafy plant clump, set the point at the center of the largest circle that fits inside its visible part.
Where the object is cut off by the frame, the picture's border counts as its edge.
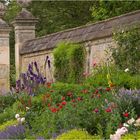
(127, 53)
(77, 134)
(69, 61)
(6, 101)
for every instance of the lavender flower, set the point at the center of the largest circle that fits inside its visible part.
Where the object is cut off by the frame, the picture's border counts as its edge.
(40, 138)
(30, 80)
(130, 97)
(13, 132)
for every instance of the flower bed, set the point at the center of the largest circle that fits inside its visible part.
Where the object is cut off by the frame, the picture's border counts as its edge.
(46, 110)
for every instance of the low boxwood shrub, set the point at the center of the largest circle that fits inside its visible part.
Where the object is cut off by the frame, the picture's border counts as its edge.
(131, 136)
(77, 135)
(7, 124)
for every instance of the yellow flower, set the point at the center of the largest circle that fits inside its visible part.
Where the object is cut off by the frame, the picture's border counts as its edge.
(108, 76)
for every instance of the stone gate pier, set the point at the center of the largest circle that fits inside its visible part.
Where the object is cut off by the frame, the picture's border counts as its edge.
(4, 52)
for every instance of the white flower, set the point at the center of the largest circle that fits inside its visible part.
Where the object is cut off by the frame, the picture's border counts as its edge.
(121, 131)
(19, 120)
(122, 31)
(137, 122)
(22, 120)
(17, 116)
(126, 70)
(27, 108)
(125, 125)
(131, 121)
(115, 137)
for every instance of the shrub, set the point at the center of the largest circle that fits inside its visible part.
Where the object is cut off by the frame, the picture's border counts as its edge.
(69, 61)
(135, 135)
(77, 134)
(7, 124)
(118, 77)
(6, 101)
(6, 115)
(127, 52)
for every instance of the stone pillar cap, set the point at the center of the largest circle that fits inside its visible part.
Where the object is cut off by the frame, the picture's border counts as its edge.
(3, 24)
(25, 17)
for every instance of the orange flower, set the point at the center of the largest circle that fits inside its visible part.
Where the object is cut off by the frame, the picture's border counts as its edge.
(48, 85)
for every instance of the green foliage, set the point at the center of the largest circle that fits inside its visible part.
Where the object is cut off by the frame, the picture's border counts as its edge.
(69, 60)
(119, 78)
(127, 52)
(7, 124)
(77, 113)
(56, 16)
(6, 101)
(133, 136)
(77, 134)
(12, 10)
(7, 115)
(106, 9)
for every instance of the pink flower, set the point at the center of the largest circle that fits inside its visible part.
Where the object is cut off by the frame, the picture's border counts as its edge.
(96, 110)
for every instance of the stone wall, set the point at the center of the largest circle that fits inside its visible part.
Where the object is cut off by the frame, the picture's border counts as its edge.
(97, 38)
(4, 61)
(40, 58)
(95, 54)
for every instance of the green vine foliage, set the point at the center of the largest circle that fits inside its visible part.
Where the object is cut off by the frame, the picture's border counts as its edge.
(69, 62)
(127, 52)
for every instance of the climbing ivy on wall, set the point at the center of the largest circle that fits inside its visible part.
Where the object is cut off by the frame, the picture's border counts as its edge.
(69, 61)
(127, 52)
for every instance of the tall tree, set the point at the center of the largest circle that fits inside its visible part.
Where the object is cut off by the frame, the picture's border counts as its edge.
(106, 9)
(59, 15)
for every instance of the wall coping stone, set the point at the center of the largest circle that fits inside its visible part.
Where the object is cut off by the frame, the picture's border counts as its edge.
(81, 34)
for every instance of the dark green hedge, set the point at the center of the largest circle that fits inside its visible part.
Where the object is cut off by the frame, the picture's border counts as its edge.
(69, 61)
